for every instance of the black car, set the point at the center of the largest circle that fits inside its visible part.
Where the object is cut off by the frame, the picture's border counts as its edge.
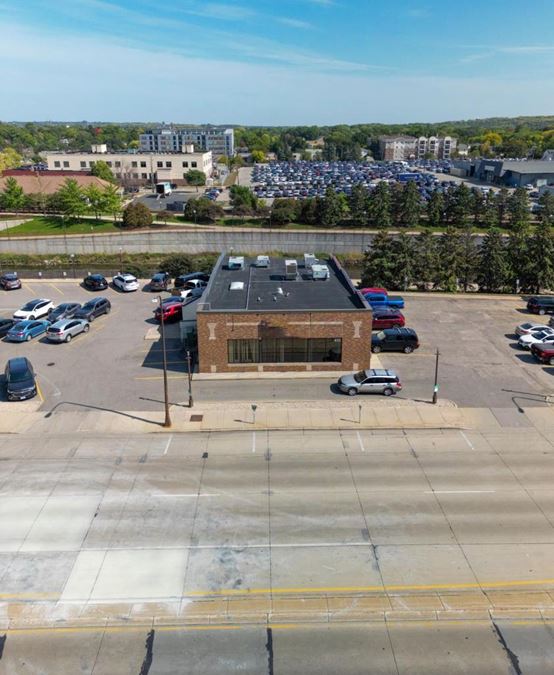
(395, 340)
(5, 325)
(9, 281)
(95, 282)
(160, 282)
(93, 308)
(66, 310)
(541, 304)
(181, 280)
(20, 379)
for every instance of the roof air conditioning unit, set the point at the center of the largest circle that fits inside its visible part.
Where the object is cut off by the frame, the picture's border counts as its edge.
(291, 269)
(235, 262)
(320, 272)
(262, 261)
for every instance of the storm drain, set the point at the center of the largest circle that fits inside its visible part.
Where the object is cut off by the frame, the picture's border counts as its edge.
(196, 418)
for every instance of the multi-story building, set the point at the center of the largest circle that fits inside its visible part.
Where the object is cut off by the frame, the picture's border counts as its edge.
(400, 148)
(136, 167)
(170, 139)
(282, 315)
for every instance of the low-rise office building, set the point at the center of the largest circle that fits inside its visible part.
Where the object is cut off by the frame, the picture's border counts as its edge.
(218, 140)
(138, 168)
(272, 314)
(49, 182)
(515, 173)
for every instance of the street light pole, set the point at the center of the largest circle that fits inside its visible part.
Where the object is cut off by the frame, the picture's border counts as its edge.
(73, 263)
(191, 402)
(436, 387)
(167, 421)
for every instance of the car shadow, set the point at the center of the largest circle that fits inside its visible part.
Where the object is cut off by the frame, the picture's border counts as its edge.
(334, 389)
(526, 357)
(515, 345)
(549, 370)
(511, 336)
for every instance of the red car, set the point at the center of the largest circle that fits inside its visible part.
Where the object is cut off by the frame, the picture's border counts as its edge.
(365, 291)
(172, 310)
(544, 353)
(387, 318)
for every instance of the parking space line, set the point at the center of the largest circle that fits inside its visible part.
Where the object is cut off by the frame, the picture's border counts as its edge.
(466, 439)
(56, 288)
(39, 392)
(168, 444)
(27, 285)
(160, 377)
(360, 441)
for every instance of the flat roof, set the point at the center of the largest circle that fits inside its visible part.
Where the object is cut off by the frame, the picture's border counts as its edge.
(529, 166)
(268, 288)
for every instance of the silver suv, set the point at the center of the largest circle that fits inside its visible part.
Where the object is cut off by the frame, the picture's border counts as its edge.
(66, 329)
(373, 381)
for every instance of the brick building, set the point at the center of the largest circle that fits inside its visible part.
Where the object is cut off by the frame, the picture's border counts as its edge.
(286, 316)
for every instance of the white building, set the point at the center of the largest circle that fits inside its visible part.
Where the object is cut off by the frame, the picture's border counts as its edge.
(394, 148)
(136, 167)
(169, 139)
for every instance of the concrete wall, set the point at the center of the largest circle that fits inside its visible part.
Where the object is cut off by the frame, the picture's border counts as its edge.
(169, 241)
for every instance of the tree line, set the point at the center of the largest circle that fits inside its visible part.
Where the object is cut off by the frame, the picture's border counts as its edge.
(522, 261)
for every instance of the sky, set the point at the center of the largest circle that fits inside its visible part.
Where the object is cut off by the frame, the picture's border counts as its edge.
(264, 62)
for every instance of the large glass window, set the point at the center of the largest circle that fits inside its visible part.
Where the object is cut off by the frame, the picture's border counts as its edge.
(285, 350)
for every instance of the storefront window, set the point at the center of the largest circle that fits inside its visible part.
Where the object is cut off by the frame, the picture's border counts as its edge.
(285, 350)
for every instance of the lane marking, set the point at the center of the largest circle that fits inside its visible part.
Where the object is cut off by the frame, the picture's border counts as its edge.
(360, 441)
(253, 441)
(159, 377)
(168, 444)
(459, 492)
(190, 494)
(466, 439)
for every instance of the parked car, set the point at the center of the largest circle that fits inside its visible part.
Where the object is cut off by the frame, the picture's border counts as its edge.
(172, 309)
(189, 287)
(379, 300)
(95, 282)
(394, 340)
(551, 322)
(126, 282)
(544, 353)
(526, 328)
(546, 335)
(160, 282)
(182, 279)
(9, 281)
(64, 311)
(373, 381)
(541, 304)
(25, 331)
(66, 329)
(20, 379)
(93, 308)
(34, 309)
(376, 289)
(5, 325)
(387, 318)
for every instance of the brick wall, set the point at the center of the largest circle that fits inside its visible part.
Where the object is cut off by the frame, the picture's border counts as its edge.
(215, 328)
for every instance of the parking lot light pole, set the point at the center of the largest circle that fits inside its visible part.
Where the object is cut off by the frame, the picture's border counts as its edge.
(436, 387)
(167, 421)
(191, 402)
(72, 256)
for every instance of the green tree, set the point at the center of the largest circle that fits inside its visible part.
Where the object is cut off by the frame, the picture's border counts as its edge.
(258, 156)
(403, 254)
(410, 205)
(493, 269)
(203, 210)
(243, 200)
(378, 265)
(177, 263)
(72, 200)
(478, 200)
(435, 209)
(502, 197)
(95, 199)
(380, 206)
(546, 202)
(196, 177)
(426, 259)
(541, 258)
(460, 206)
(450, 256)
(359, 204)
(489, 219)
(334, 208)
(12, 198)
(518, 208)
(469, 257)
(9, 159)
(283, 211)
(111, 201)
(137, 214)
(309, 211)
(101, 170)
(518, 257)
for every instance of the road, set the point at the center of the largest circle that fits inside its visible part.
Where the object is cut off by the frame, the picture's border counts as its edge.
(364, 552)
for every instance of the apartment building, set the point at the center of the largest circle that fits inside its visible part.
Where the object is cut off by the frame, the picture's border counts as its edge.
(218, 140)
(399, 148)
(135, 168)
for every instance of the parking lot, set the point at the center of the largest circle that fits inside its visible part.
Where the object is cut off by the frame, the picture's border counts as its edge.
(118, 364)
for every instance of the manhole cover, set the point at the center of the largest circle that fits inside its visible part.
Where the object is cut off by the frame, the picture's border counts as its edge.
(196, 418)
(51, 363)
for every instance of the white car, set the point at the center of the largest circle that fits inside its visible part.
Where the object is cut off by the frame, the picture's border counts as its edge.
(193, 287)
(527, 328)
(34, 309)
(543, 336)
(126, 282)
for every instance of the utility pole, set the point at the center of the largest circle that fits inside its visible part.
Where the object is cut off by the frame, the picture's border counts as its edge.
(191, 402)
(167, 421)
(436, 387)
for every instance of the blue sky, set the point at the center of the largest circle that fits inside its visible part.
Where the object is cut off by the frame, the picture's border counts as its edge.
(263, 62)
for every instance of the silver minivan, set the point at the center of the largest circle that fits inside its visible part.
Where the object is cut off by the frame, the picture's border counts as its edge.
(372, 381)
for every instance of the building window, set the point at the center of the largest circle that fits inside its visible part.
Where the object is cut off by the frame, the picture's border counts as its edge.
(144, 175)
(185, 165)
(134, 164)
(117, 164)
(168, 165)
(160, 164)
(66, 165)
(57, 165)
(109, 164)
(194, 164)
(83, 165)
(285, 350)
(135, 175)
(143, 165)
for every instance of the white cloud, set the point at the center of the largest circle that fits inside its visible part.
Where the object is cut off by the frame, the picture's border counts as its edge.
(294, 23)
(67, 78)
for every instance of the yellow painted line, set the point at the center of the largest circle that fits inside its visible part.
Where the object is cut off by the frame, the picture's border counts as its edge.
(21, 596)
(56, 288)
(39, 392)
(26, 285)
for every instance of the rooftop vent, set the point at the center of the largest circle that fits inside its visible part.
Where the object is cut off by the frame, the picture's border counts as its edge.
(236, 286)
(320, 272)
(262, 261)
(235, 262)
(291, 269)
(309, 260)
